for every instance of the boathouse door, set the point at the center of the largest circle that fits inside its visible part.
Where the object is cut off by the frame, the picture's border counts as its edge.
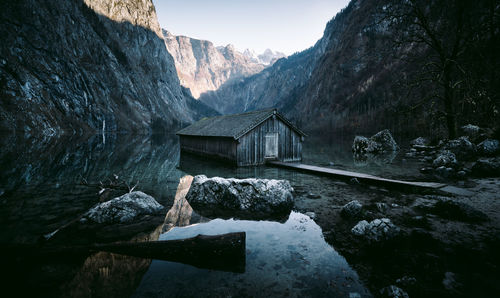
(271, 143)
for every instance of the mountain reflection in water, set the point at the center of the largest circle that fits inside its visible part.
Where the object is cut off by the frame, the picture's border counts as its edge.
(290, 258)
(41, 190)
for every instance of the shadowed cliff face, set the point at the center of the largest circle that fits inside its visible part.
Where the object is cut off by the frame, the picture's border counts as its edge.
(87, 65)
(358, 78)
(270, 86)
(203, 67)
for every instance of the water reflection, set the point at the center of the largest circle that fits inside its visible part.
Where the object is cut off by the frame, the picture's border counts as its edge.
(283, 259)
(40, 178)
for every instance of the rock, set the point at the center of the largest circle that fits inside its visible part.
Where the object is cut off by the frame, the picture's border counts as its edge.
(363, 145)
(420, 141)
(471, 131)
(386, 141)
(406, 281)
(352, 209)
(380, 142)
(461, 174)
(461, 147)
(124, 209)
(488, 147)
(393, 291)
(251, 196)
(376, 230)
(381, 207)
(360, 228)
(486, 167)
(446, 159)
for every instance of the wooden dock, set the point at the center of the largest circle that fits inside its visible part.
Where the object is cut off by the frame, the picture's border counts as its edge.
(361, 177)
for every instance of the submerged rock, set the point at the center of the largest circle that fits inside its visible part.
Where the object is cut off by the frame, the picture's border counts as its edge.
(386, 141)
(376, 230)
(126, 208)
(261, 196)
(351, 209)
(489, 147)
(393, 291)
(363, 145)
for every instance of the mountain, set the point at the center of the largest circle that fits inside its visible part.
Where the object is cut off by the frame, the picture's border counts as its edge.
(269, 87)
(357, 77)
(202, 67)
(87, 65)
(266, 58)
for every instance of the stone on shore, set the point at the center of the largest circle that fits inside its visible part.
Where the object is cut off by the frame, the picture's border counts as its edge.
(124, 209)
(461, 147)
(376, 230)
(488, 147)
(352, 209)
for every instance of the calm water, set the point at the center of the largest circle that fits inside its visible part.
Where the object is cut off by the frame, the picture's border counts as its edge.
(41, 189)
(288, 259)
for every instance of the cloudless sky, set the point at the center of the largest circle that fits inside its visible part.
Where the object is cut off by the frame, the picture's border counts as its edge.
(282, 25)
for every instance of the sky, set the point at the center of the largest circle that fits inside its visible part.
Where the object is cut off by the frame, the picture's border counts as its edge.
(287, 26)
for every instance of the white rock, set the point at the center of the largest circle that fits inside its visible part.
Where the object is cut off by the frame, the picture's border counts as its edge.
(123, 209)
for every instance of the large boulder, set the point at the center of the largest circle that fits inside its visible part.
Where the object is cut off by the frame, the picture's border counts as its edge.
(255, 197)
(124, 209)
(462, 148)
(376, 230)
(378, 143)
(488, 147)
(363, 145)
(386, 141)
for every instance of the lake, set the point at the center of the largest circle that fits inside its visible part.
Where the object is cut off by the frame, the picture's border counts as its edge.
(48, 182)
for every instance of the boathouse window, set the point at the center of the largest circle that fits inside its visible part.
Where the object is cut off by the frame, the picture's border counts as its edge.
(271, 145)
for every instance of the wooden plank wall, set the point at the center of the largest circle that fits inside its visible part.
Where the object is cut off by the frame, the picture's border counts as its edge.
(213, 146)
(251, 150)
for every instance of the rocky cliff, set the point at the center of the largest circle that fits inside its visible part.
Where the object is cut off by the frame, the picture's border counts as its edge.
(87, 65)
(202, 67)
(357, 77)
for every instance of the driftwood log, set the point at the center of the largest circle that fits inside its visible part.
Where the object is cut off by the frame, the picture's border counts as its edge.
(220, 252)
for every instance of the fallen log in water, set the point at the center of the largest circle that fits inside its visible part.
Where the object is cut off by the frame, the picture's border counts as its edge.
(219, 252)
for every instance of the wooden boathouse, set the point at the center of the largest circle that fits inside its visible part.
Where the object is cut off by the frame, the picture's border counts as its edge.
(246, 139)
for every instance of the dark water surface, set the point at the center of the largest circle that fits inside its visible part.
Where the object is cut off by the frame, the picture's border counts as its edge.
(41, 189)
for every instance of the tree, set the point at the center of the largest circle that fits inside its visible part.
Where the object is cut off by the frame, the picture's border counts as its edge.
(443, 36)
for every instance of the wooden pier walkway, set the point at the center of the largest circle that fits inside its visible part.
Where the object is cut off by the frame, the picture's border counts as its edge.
(361, 177)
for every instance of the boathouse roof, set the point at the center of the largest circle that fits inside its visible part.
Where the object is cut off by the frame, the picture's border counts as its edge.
(232, 126)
